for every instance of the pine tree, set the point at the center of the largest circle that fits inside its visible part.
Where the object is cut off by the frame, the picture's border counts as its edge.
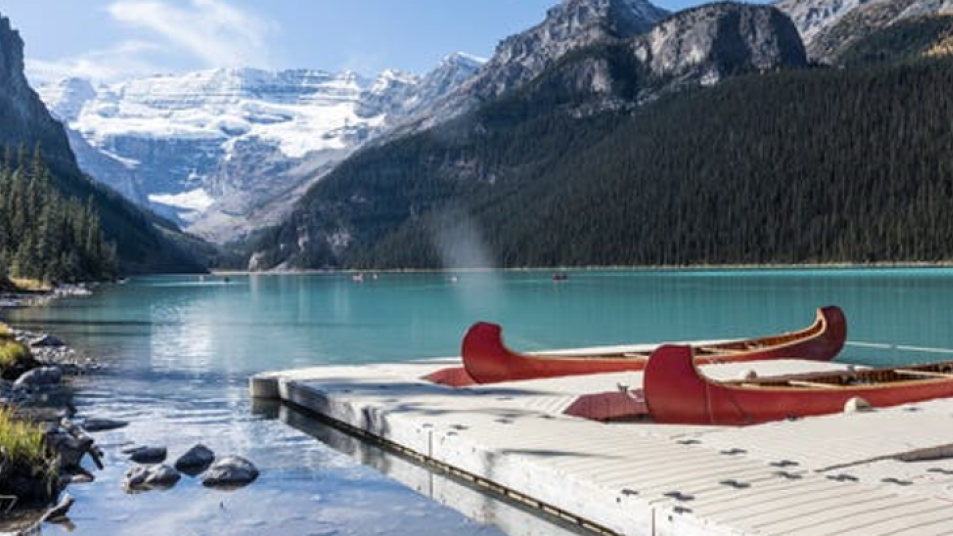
(44, 235)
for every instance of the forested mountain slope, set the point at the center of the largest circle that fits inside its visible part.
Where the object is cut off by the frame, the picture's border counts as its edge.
(504, 149)
(829, 166)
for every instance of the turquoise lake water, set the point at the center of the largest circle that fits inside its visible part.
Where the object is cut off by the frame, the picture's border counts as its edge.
(179, 352)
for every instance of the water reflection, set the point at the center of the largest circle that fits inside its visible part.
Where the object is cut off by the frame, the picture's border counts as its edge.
(513, 519)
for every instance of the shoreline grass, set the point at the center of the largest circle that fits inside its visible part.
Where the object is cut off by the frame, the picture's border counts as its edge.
(12, 353)
(22, 443)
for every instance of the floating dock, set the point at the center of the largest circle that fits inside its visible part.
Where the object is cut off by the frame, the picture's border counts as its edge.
(888, 471)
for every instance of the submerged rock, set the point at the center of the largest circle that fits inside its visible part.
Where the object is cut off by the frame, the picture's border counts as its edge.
(230, 472)
(195, 460)
(144, 478)
(147, 454)
(100, 425)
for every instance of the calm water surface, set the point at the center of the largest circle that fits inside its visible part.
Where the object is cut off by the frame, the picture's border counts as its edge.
(180, 350)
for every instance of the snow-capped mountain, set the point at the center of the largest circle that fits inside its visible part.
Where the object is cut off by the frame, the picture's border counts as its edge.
(223, 151)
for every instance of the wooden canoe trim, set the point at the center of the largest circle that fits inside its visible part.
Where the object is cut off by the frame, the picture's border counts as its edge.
(924, 373)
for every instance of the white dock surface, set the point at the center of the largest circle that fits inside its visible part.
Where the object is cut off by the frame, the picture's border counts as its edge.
(837, 475)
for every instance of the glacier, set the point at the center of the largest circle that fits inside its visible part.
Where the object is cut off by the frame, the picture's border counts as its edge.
(226, 151)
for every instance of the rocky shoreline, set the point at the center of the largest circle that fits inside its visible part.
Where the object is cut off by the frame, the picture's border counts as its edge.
(42, 393)
(38, 391)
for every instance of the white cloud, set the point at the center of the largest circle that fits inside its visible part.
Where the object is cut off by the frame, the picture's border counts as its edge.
(212, 31)
(167, 38)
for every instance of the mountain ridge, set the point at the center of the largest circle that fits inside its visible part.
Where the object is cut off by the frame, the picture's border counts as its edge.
(828, 28)
(519, 58)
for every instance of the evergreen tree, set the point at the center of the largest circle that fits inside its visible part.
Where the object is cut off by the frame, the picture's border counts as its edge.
(44, 235)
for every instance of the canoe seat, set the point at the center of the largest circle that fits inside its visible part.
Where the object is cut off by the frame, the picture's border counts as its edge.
(802, 383)
(924, 373)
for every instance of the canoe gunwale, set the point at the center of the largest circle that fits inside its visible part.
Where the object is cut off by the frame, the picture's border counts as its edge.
(487, 359)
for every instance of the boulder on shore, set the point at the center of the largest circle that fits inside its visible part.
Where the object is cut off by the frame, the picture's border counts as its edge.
(39, 377)
(70, 449)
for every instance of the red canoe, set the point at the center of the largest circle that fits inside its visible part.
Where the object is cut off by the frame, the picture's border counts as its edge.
(676, 391)
(488, 360)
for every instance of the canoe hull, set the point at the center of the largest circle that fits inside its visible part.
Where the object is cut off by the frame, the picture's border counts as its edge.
(677, 393)
(488, 360)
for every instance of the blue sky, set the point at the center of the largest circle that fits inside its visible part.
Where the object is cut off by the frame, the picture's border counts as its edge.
(105, 38)
(110, 39)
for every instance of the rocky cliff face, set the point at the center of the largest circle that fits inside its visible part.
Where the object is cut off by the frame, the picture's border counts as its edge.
(829, 27)
(696, 47)
(813, 16)
(705, 44)
(571, 25)
(22, 114)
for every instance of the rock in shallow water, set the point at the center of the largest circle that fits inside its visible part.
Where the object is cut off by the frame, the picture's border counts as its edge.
(142, 478)
(99, 425)
(230, 472)
(196, 460)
